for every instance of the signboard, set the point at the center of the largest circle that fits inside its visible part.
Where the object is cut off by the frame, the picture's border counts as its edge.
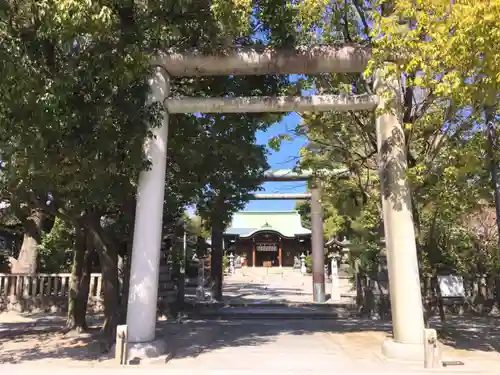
(451, 286)
(266, 247)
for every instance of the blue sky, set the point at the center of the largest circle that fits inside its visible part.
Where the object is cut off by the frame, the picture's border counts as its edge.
(285, 158)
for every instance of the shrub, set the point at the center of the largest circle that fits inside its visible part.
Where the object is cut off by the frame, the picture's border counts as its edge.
(309, 264)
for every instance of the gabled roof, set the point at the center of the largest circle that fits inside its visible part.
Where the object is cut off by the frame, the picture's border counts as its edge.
(245, 224)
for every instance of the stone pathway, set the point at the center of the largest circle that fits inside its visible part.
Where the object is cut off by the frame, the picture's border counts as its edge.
(272, 285)
(303, 346)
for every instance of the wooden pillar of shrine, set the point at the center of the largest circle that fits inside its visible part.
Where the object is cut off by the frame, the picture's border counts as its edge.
(280, 253)
(253, 253)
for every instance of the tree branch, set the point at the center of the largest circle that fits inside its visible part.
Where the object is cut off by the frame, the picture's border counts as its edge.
(361, 13)
(345, 22)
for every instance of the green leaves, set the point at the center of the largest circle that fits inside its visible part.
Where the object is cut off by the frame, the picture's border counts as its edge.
(445, 144)
(56, 248)
(452, 46)
(274, 143)
(233, 16)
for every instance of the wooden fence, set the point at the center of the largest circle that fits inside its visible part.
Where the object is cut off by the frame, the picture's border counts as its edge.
(44, 285)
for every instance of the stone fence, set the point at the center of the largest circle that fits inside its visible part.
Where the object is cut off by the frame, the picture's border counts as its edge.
(44, 292)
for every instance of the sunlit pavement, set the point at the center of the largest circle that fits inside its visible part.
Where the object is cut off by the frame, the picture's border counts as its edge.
(300, 346)
(304, 345)
(264, 285)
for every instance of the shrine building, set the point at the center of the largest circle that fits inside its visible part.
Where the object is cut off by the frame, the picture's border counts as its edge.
(267, 238)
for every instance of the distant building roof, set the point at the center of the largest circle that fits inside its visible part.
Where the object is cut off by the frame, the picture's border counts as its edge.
(247, 223)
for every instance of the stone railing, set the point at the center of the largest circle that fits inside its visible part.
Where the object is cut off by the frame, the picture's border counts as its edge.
(43, 291)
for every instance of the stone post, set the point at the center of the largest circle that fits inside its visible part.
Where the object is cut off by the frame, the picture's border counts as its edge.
(143, 291)
(335, 278)
(231, 264)
(200, 289)
(318, 245)
(404, 282)
(303, 269)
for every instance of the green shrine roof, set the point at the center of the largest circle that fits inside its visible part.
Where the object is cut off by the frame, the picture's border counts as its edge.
(245, 224)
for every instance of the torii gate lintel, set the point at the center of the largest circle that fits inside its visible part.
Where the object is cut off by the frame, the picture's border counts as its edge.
(406, 302)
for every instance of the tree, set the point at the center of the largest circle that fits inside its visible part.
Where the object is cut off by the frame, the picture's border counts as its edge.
(197, 228)
(453, 46)
(35, 221)
(450, 49)
(333, 222)
(444, 149)
(74, 84)
(56, 248)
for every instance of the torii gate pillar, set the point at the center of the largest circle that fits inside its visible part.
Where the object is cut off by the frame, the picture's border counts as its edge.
(404, 280)
(407, 311)
(317, 244)
(145, 265)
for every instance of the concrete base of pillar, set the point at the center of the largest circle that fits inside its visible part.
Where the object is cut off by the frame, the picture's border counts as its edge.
(403, 352)
(319, 292)
(139, 351)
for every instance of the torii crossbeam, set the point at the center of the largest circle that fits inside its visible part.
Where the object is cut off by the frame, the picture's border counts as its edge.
(406, 302)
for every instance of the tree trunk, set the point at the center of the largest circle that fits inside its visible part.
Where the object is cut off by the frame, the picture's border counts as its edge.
(108, 258)
(440, 304)
(180, 266)
(125, 284)
(80, 282)
(427, 298)
(27, 261)
(492, 148)
(216, 261)
(129, 214)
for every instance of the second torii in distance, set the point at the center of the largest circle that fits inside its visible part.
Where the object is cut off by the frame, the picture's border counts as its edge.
(317, 240)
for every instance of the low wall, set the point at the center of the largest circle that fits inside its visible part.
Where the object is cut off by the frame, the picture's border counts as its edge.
(44, 292)
(49, 292)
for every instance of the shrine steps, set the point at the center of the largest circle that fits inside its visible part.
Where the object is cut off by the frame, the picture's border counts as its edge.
(273, 311)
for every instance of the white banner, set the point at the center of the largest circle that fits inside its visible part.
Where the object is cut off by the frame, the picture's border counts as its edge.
(451, 286)
(266, 247)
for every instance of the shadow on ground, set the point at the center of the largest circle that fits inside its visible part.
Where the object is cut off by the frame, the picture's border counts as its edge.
(256, 292)
(471, 333)
(44, 340)
(187, 339)
(198, 337)
(41, 336)
(245, 293)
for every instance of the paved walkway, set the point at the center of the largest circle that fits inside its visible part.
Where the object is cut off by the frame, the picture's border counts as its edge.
(246, 346)
(265, 285)
(302, 346)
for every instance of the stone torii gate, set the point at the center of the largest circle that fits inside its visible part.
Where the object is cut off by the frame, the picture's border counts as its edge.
(317, 240)
(407, 312)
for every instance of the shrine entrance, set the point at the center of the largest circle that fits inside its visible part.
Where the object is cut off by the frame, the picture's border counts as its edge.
(267, 238)
(266, 254)
(406, 302)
